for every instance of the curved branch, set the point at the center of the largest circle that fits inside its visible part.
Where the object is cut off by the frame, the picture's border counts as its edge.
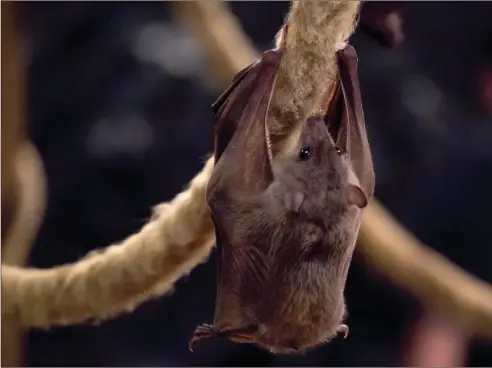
(316, 30)
(120, 277)
(424, 272)
(20, 236)
(32, 203)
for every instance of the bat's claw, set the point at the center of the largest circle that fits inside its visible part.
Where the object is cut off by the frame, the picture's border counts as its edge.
(202, 332)
(241, 339)
(244, 335)
(343, 329)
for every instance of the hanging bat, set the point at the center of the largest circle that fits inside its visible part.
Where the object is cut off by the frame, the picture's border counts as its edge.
(286, 227)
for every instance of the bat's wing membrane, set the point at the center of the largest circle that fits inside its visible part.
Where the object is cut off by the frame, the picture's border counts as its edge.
(238, 78)
(242, 161)
(226, 123)
(242, 170)
(352, 135)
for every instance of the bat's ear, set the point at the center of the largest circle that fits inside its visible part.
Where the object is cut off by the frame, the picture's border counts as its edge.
(294, 200)
(355, 195)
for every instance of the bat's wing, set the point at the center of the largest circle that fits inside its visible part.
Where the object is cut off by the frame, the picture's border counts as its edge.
(226, 124)
(346, 109)
(250, 84)
(242, 155)
(242, 171)
(242, 161)
(236, 81)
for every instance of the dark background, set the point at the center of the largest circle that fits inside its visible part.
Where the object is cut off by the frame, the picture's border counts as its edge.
(120, 114)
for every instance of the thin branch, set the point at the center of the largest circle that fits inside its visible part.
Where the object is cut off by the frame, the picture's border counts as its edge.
(316, 30)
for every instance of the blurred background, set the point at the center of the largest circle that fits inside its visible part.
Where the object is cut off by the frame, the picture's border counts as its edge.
(119, 109)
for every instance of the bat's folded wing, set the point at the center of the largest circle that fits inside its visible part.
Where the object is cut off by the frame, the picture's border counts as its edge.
(242, 158)
(347, 109)
(242, 170)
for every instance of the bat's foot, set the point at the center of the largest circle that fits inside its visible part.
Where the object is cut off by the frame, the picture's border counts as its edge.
(244, 335)
(343, 329)
(294, 349)
(207, 332)
(202, 332)
(241, 339)
(290, 349)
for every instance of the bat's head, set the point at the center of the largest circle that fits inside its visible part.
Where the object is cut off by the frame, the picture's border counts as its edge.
(321, 172)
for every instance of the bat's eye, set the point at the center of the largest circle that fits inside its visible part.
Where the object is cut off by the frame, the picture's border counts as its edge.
(305, 153)
(339, 151)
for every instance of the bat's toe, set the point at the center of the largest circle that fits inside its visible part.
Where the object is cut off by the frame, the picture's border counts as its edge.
(202, 332)
(343, 329)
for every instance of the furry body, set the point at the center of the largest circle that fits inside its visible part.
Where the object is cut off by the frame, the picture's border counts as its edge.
(288, 268)
(285, 226)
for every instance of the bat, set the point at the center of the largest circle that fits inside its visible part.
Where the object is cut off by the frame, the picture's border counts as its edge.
(286, 226)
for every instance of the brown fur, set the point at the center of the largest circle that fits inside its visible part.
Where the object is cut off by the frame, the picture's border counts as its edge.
(286, 226)
(284, 288)
(301, 291)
